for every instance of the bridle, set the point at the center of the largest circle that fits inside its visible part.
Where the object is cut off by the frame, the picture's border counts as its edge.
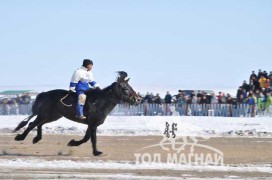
(120, 95)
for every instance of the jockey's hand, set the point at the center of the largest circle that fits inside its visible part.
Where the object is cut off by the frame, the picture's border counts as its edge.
(72, 89)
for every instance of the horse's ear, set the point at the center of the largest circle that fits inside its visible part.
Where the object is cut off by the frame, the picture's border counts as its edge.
(127, 80)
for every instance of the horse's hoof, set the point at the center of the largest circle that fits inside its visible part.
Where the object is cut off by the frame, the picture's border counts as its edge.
(97, 153)
(72, 143)
(35, 140)
(19, 137)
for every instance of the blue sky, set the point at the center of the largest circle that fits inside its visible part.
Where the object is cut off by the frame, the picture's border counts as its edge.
(175, 43)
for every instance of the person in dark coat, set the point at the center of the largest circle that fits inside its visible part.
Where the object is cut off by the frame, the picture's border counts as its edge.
(199, 95)
(239, 93)
(157, 99)
(242, 100)
(252, 85)
(256, 83)
(260, 73)
(245, 86)
(168, 102)
(168, 98)
(219, 98)
(180, 94)
(229, 99)
(148, 98)
(204, 100)
(265, 74)
(253, 75)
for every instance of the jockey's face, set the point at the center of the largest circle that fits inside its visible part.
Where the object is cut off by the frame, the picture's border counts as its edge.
(89, 67)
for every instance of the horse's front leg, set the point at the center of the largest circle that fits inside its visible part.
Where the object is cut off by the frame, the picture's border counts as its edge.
(93, 139)
(85, 139)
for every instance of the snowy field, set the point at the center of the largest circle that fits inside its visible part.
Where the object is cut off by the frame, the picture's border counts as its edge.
(85, 165)
(155, 125)
(132, 126)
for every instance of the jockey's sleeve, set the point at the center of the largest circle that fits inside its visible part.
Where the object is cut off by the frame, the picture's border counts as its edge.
(74, 80)
(94, 84)
(72, 86)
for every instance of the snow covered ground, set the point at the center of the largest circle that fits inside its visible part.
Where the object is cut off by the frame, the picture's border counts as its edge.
(155, 125)
(39, 168)
(67, 164)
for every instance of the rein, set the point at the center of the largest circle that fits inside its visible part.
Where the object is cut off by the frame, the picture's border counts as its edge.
(61, 100)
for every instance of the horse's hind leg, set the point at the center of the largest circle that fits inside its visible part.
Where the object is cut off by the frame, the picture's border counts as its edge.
(39, 135)
(85, 139)
(32, 125)
(39, 128)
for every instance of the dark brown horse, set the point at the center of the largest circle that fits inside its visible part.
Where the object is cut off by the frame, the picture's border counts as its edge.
(52, 105)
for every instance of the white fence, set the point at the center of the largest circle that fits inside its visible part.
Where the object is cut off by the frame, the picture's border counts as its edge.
(15, 109)
(222, 110)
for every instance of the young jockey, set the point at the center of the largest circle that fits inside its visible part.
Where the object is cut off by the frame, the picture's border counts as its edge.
(80, 83)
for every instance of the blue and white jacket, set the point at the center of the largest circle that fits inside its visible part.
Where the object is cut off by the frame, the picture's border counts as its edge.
(82, 79)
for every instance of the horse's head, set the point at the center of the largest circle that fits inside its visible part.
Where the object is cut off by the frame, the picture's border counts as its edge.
(125, 91)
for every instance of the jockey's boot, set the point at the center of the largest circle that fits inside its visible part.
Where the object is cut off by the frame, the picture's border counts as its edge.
(79, 113)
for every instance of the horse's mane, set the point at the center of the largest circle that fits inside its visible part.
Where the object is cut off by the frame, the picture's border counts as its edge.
(94, 93)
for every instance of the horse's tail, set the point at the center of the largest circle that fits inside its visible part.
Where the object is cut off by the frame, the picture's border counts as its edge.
(23, 123)
(35, 108)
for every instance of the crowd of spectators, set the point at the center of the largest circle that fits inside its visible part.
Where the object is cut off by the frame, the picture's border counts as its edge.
(16, 105)
(183, 97)
(23, 99)
(255, 94)
(259, 84)
(257, 91)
